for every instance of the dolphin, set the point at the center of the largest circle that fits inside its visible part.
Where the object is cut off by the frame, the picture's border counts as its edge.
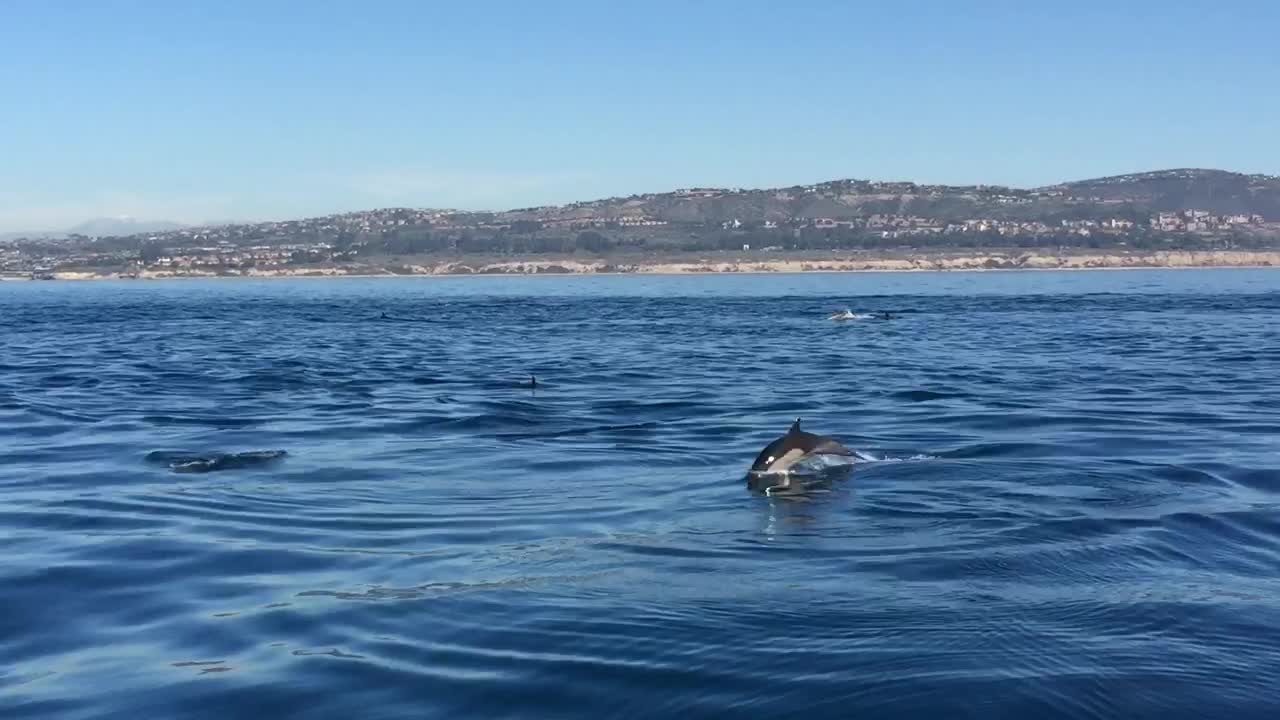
(210, 462)
(783, 453)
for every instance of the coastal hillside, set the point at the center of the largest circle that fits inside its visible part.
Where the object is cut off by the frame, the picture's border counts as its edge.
(1214, 191)
(1180, 210)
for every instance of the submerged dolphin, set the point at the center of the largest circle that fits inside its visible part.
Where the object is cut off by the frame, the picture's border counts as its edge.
(210, 462)
(796, 446)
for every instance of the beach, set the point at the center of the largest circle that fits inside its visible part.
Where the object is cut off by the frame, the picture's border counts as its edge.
(713, 263)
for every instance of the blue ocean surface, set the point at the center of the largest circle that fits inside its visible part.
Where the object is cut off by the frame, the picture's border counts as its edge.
(1066, 505)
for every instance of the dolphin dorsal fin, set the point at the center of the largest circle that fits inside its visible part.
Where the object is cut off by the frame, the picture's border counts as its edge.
(795, 426)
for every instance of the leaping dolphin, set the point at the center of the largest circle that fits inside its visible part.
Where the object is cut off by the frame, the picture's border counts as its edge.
(794, 446)
(770, 472)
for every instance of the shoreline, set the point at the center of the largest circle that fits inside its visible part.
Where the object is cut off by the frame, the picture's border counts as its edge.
(705, 265)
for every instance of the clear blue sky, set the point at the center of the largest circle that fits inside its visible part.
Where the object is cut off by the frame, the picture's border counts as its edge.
(197, 111)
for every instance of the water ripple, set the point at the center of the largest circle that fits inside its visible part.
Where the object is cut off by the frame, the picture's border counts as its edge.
(1065, 501)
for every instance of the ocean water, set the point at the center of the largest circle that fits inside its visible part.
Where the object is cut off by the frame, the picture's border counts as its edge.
(1067, 503)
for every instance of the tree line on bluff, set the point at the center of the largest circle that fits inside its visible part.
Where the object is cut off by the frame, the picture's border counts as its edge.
(530, 238)
(428, 242)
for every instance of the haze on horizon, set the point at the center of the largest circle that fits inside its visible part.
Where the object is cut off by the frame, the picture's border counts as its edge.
(207, 112)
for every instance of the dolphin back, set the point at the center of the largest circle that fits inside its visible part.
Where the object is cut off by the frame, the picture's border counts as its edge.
(797, 444)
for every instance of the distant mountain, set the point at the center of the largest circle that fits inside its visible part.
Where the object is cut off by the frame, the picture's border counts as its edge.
(28, 235)
(120, 226)
(98, 227)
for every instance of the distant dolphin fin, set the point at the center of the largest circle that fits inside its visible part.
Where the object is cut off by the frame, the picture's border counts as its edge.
(795, 426)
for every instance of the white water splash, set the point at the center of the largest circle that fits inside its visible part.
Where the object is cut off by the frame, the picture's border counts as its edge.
(867, 456)
(850, 315)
